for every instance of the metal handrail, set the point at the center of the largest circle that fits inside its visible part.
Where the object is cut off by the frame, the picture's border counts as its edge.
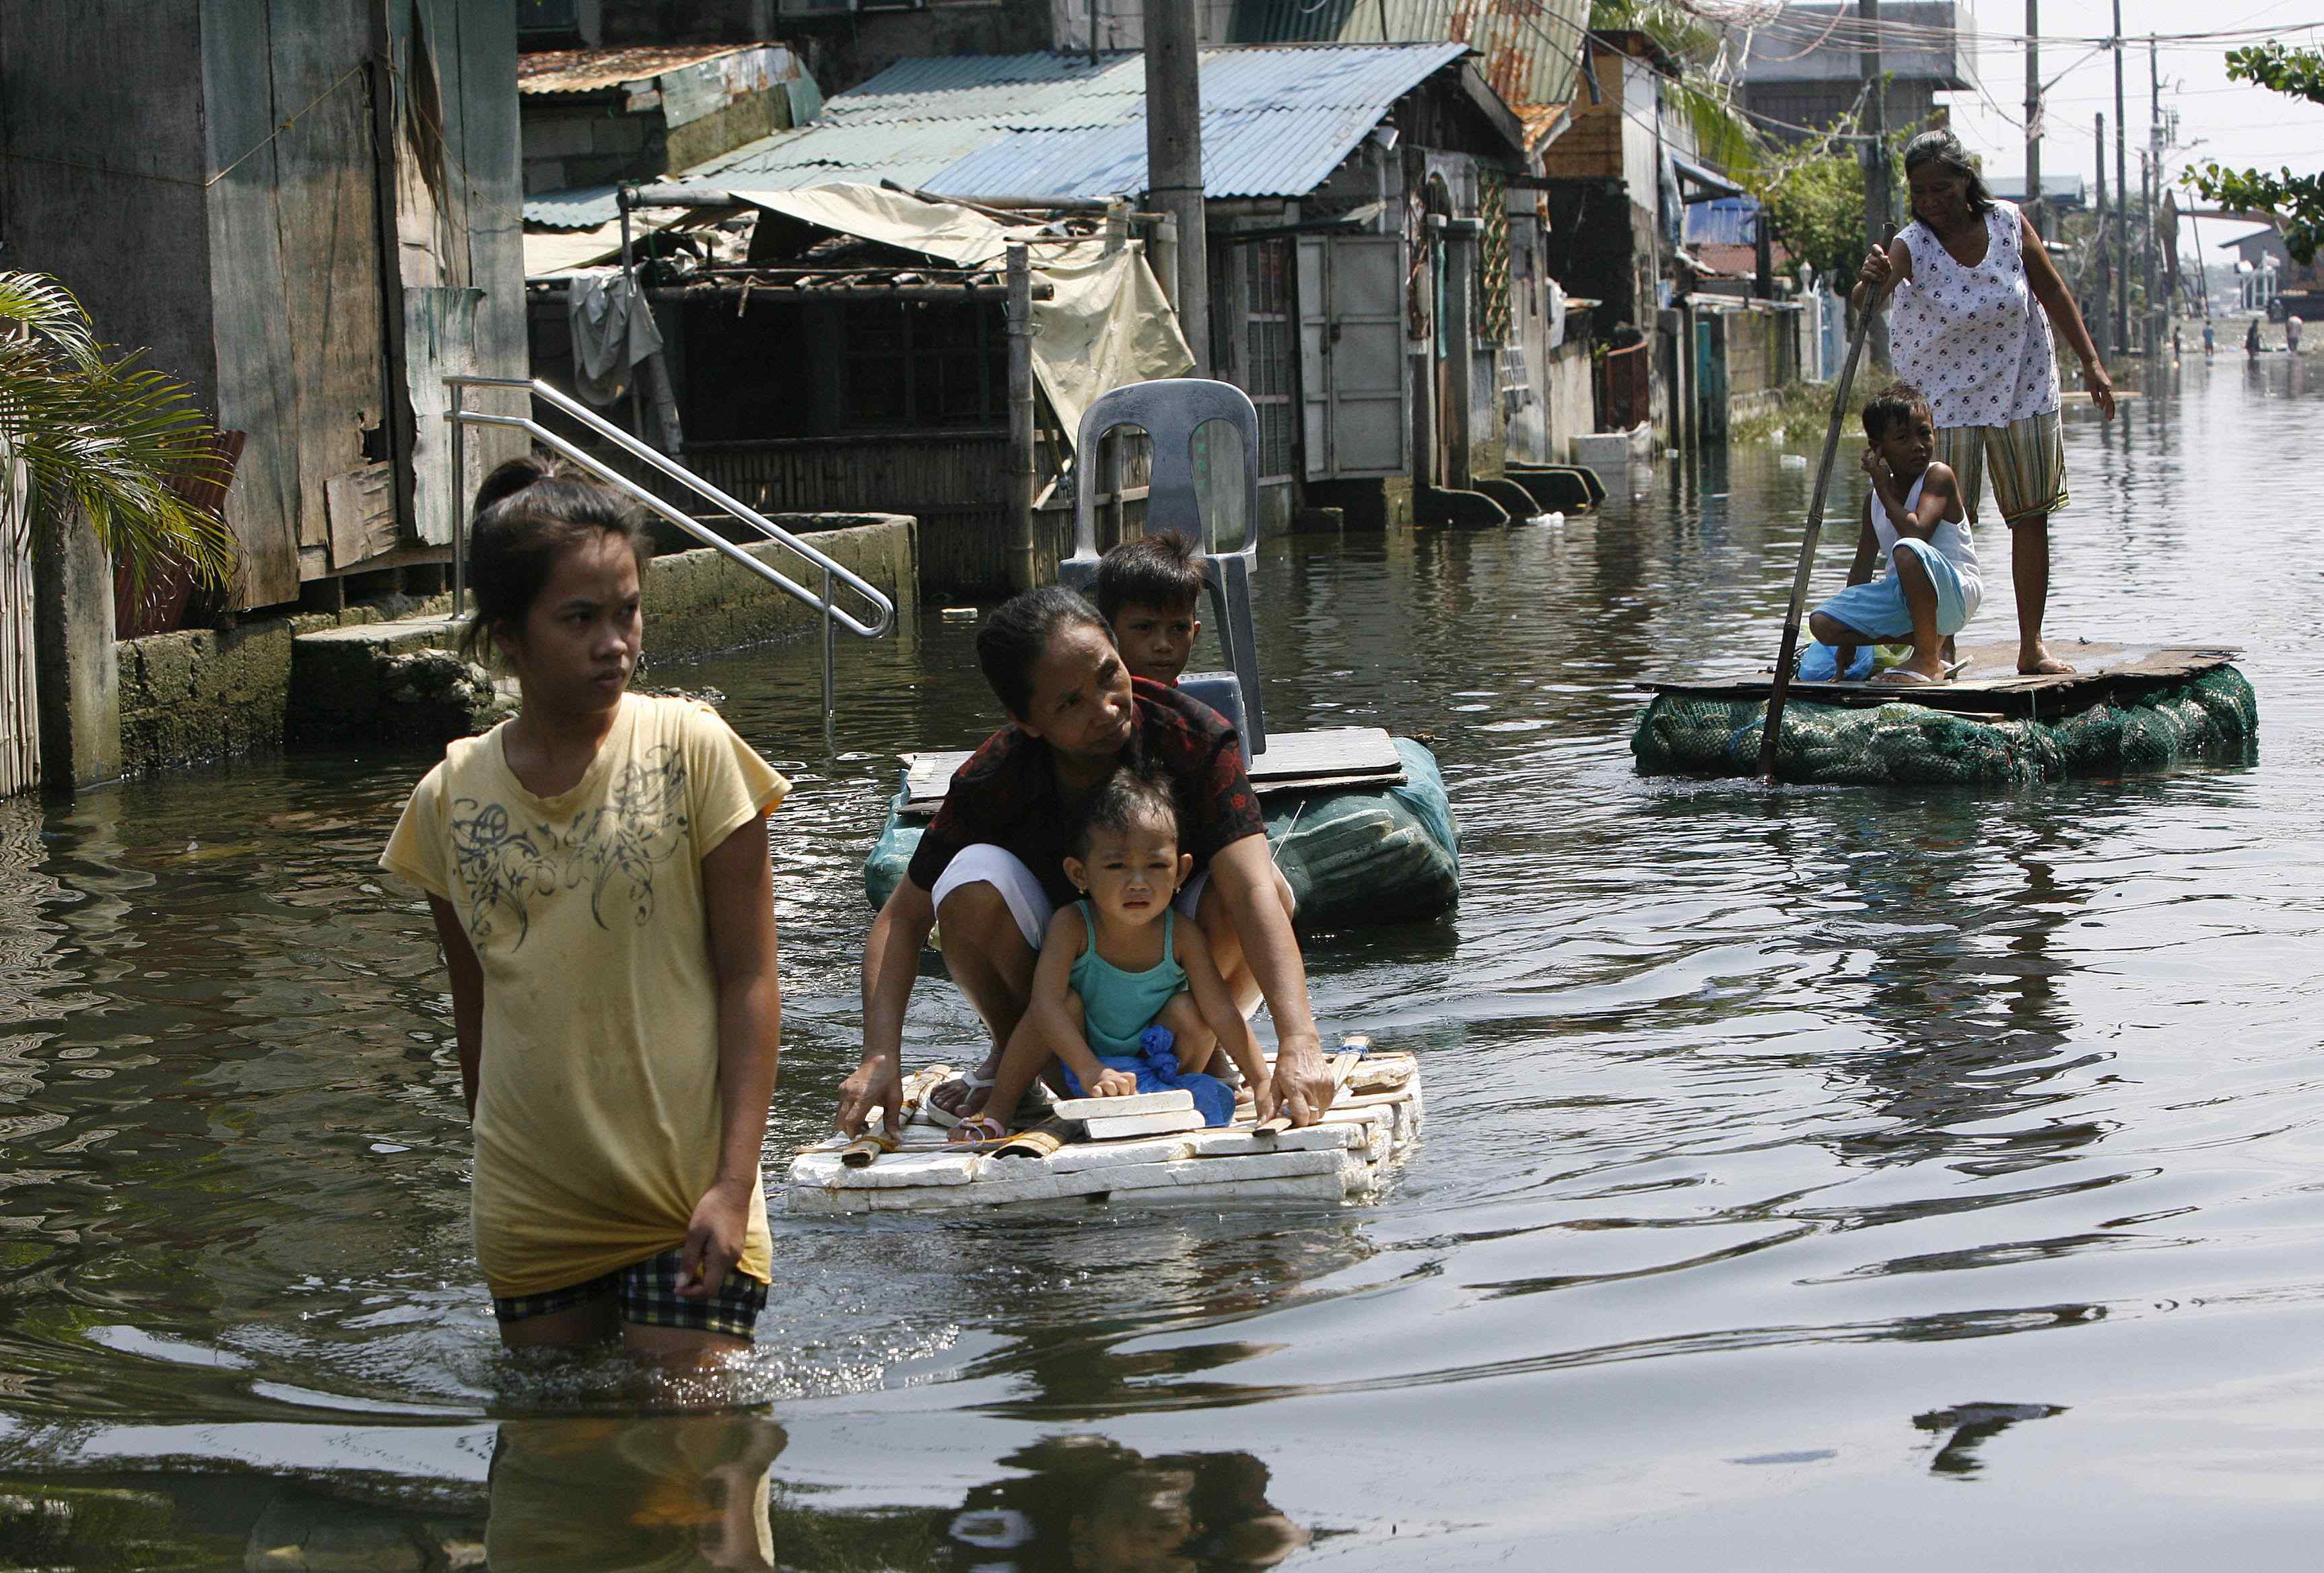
(835, 572)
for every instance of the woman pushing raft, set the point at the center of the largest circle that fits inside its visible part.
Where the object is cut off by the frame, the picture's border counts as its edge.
(598, 871)
(992, 864)
(1968, 272)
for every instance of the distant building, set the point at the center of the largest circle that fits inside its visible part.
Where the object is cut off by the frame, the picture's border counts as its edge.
(2059, 193)
(593, 116)
(1804, 70)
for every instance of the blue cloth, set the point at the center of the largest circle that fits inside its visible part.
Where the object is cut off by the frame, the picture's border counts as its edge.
(1155, 1067)
(1819, 663)
(1879, 608)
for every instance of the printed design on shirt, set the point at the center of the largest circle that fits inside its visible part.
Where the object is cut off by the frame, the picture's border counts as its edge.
(507, 865)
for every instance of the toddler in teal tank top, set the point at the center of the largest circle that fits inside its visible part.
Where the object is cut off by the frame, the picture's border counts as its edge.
(1124, 1001)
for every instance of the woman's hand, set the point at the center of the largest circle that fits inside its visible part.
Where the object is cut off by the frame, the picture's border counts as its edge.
(1109, 1083)
(2100, 386)
(1876, 271)
(1263, 1103)
(877, 1084)
(713, 1239)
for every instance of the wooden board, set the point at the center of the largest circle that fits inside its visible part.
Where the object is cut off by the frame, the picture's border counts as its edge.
(1992, 684)
(1336, 756)
(362, 514)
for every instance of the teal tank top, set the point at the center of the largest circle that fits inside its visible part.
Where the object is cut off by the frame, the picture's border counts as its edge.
(1118, 1005)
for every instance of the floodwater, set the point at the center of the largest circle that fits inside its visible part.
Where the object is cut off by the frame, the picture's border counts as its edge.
(1813, 1176)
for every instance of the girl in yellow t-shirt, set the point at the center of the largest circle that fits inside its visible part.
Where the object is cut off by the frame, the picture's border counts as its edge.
(598, 871)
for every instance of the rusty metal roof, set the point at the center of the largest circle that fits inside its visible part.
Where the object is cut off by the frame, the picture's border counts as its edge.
(594, 71)
(1527, 50)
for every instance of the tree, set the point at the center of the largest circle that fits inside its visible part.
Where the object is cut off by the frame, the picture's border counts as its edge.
(105, 436)
(1813, 197)
(2298, 200)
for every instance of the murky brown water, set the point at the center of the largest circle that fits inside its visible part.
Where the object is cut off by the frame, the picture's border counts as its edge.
(1808, 1172)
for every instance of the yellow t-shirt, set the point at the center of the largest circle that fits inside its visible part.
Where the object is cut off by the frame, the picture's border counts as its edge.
(597, 1105)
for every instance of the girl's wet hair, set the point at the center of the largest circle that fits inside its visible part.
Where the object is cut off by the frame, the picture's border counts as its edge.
(1018, 634)
(1129, 798)
(1891, 404)
(1164, 571)
(1944, 150)
(528, 512)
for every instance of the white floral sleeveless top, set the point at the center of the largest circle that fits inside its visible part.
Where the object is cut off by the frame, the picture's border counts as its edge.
(1975, 340)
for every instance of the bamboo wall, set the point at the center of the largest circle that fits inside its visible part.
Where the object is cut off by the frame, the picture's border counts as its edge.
(20, 730)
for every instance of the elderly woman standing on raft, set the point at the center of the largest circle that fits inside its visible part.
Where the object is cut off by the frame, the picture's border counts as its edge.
(991, 864)
(1967, 274)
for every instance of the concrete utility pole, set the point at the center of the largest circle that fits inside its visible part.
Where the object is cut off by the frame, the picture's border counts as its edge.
(2158, 311)
(1879, 202)
(1174, 159)
(2121, 202)
(2034, 117)
(2108, 347)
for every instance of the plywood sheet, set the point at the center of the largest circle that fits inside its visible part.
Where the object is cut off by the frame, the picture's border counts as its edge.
(1339, 756)
(1992, 684)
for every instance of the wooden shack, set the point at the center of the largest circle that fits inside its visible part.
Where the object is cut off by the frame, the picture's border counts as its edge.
(307, 212)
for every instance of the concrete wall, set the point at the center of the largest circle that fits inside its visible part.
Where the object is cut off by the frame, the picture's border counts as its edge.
(1572, 402)
(361, 678)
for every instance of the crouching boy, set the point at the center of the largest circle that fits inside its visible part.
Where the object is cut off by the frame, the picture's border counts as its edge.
(1915, 519)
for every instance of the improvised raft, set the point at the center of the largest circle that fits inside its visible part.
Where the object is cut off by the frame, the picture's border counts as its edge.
(2126, 710)
(1373, 1122)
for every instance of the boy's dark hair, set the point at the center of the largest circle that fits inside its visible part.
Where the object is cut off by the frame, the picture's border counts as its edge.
(1944, 150)
(1018, 634)
(1164, 571)
(527, 512)
(1891, 404)
(1129, 798)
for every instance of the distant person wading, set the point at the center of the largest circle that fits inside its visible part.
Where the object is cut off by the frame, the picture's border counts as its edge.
(1967, 274)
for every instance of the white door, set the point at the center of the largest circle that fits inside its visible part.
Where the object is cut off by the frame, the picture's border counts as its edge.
(1352, 360)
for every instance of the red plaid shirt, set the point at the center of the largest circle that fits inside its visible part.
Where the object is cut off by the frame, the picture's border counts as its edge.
(1007, 792)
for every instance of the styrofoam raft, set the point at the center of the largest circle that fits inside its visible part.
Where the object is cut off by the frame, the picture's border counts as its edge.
(1344, 1157)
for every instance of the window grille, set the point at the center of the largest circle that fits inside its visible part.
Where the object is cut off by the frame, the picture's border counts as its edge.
(1268, 331)
(1493, 322)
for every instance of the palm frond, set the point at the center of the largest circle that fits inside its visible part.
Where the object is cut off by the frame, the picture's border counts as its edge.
(111, 439)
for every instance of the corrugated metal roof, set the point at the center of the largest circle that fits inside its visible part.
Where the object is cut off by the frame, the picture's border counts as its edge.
(830, 151)
(577, 207)
(592, 71)
(1277, 121)
(1528, 51)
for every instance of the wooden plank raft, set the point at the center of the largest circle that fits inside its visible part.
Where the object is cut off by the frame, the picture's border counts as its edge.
(1991, 686)
(1372, 1123)
(1333, 757)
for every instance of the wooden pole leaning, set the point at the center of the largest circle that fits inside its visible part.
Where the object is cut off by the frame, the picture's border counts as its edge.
(1771, 733)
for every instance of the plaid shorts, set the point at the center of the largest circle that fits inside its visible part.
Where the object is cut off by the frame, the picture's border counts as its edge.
(646, 1292)
(2026, 459)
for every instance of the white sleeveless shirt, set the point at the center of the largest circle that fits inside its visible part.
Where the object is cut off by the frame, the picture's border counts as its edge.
(1952, 541)
(1974, 340)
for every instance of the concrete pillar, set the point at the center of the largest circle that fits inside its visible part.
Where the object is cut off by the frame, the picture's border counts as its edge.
(1460, 342)
(72, 641)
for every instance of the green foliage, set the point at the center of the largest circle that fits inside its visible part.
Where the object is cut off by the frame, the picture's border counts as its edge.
(2297, 200)
(1813, 198)
(104, 436)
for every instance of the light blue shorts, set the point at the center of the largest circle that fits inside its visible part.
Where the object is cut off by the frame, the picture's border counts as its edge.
(1879, 608)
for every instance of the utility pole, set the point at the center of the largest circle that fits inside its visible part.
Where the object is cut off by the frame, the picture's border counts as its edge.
(1174, 159)
(2158, 311)
(2034, 117)
(2121, 202)
(2107, 345)
(2151, 333)
(1879, 204)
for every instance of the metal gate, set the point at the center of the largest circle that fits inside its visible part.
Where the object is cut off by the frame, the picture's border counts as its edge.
(1351, 361)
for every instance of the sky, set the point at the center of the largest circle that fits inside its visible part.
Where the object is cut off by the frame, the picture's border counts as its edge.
(2241, 125)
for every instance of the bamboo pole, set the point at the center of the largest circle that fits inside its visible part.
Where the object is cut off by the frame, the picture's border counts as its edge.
(1771, 733)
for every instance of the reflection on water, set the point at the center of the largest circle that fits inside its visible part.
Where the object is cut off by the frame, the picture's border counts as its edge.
(1810, 1156)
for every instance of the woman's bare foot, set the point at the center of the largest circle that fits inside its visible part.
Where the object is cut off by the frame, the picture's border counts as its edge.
(2035, 661)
